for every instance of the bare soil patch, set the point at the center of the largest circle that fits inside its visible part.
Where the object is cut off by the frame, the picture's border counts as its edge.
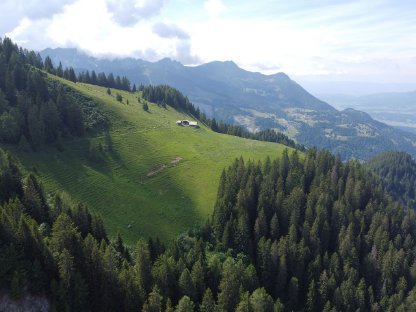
(176, 160)
(156, 170)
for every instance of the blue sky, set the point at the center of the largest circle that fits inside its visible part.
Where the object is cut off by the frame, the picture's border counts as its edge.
(371, 40)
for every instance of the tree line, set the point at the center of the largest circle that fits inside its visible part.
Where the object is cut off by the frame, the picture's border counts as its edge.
(165, 95)
(121, 83)
(100, 79)
(298, 233)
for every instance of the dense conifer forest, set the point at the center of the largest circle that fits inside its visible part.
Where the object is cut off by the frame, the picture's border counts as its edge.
(301, 233)
(398, 172)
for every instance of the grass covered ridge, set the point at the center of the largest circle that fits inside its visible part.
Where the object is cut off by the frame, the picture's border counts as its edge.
(147, 176)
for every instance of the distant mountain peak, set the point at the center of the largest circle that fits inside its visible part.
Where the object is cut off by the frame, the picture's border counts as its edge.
(225, 63)
(230, 64)
(281, 75)
(166, 60)
(66, 51)
(221, 65)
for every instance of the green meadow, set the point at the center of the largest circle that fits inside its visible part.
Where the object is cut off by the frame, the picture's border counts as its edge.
(146, 176)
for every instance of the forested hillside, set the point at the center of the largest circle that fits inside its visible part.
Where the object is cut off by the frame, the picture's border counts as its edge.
(294, 234)
(35, 110)
(321, 233)
(398, 173)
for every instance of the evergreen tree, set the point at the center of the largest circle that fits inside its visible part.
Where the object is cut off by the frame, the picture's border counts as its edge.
(153, 302)
(34, 200)
(169, 307)
(71, 75)
(59, 70)
(198, 280)
(274, 227)
(143, 265)
(208, 302)
(244, 305)
(185, 305)
(311, 300)
(229, 287)
(293, 293)
(186, 285)
(48, 66)
(261, 301)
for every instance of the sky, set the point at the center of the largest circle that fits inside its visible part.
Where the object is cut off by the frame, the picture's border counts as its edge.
(365, 40)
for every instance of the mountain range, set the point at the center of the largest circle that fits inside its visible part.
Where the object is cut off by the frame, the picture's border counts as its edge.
(224, 91)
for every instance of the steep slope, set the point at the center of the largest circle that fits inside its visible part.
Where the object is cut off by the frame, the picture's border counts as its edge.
(227, 92)
(146, 176)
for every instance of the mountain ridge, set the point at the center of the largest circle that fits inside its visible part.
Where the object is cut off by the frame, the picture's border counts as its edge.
(226, 92)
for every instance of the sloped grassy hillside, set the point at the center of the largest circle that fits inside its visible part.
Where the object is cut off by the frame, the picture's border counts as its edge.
(146, 176)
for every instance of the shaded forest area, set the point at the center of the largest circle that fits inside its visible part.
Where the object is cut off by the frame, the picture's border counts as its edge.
(398, 173)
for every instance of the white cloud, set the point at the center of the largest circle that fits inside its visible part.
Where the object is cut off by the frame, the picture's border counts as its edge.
(165, 30)
(184, 53)
(252, 42)
(29, 33)
(214, 8)
(300, 38)
(99, 34)
(13, 11)
(129, 12)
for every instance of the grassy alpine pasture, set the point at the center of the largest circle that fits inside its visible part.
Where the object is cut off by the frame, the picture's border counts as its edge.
(147, 176)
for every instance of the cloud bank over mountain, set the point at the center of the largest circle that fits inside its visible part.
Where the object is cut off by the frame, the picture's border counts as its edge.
(343, 41)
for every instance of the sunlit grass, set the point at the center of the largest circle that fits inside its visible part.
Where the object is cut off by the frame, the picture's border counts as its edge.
(118, 186)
